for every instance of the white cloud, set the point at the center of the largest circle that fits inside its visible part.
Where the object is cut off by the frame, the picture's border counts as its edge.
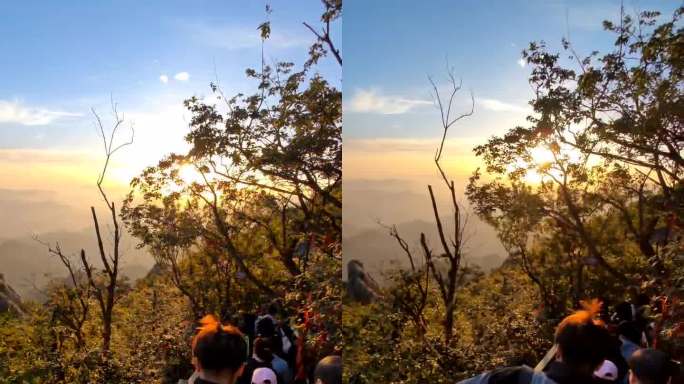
(164, 79)
(500, 106)
(182, 76)
(521, 63)
(15, 112)
(370, 101)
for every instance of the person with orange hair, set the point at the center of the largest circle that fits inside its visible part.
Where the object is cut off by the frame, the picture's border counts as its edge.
(219, 353)
(581, 345)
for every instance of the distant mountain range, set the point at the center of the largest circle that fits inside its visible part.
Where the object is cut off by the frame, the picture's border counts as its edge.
(27, 265)
(379, 252)
(365, 205)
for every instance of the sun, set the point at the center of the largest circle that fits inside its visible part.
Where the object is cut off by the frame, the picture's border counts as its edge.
(541, 156)
(543, 159)
(189, 174)
(121, 173)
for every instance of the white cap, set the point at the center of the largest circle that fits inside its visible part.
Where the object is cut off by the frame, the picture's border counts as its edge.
(607, 371)
(264, 376)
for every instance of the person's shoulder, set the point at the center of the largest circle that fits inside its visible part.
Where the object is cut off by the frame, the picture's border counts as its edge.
(507, 375)
(511, 375)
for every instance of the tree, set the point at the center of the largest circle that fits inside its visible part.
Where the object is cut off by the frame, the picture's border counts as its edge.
(624, 108)
(259, 218)
(452, 246)
(107, 293)
(594, 179)
(70, 300)
(452, 252)
(333, 10)
(412, 287)
(269, 166)
(629, 100)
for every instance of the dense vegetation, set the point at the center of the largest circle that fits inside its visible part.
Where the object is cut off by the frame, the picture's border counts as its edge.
(587, 200)
(262, 224)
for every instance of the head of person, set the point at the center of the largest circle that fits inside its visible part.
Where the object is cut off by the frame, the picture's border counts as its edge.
(219, 351)
(328, 370)
(264, 376)
(650, 366)
(583, 341)
(263, 349)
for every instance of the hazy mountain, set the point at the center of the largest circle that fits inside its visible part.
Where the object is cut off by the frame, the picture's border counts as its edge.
(26, 264)
(389, 201)
(367, 203)
(26, 211)
(379, 252)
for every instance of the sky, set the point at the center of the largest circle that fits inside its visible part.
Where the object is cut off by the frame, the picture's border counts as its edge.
(63, 58)
(60, 59)
(391, 125)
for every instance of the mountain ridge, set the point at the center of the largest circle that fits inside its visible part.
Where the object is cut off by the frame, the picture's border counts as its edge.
(28, 266)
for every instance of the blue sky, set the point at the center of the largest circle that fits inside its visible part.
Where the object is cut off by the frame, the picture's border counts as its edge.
(390, 47)
(61, 58)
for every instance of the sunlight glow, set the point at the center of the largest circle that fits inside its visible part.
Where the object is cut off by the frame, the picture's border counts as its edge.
(541, 157)
(544, 163)
(189, 174)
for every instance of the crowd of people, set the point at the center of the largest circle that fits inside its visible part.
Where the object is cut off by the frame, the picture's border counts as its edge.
(597, 348)
(260, 350)
(590, 346)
